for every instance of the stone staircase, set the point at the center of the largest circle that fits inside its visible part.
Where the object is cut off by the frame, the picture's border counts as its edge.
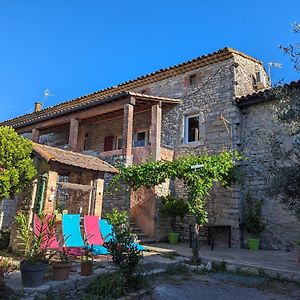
(141, 236)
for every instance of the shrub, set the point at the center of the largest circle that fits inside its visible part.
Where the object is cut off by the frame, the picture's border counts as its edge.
(16, 167)
(124, 252)
(173, 207)
(35, 244)
(253, 217)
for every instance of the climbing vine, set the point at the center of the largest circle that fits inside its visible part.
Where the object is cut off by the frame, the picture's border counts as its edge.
(211, 168)
(198, 173)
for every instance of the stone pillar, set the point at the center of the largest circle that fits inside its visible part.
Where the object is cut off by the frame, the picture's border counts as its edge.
(99, 197)
(49, 204)
(128, 132)
(73, 135)
(155, 132)
(35, 135)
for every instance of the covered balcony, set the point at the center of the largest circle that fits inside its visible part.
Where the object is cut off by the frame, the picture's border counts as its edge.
(126, 124)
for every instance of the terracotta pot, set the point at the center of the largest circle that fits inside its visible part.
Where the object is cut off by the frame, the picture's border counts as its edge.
(61, 270)
(86, 268)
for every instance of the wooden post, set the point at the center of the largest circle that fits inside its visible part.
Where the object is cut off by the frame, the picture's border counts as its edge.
(73, 135)
(155, 132)
(128, 131)
(35, 135)
(50, 192)
(99, 197)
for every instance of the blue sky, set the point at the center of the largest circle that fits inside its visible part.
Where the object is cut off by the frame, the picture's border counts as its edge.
(76, 47)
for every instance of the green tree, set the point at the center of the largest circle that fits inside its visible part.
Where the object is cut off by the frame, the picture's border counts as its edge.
(16, 167)
(284, 163)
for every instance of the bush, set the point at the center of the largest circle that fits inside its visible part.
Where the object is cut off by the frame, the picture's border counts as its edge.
(112, 286)
(4, 238)
(16, 166)
(173, 207)
(124, 252)
(253, 217)
(117, 218)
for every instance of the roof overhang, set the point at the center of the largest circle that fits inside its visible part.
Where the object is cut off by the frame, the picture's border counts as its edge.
(122, 97)
(70, 158)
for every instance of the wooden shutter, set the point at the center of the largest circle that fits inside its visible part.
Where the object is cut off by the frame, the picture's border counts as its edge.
(108, 143)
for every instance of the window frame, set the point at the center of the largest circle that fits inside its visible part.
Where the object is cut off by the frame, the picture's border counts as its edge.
(147, 137)
(186, 128)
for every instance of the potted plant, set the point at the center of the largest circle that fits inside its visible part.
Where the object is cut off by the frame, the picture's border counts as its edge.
(173, 207)
(253, 221)
(86, 265)
(62, 268)
(35, 244)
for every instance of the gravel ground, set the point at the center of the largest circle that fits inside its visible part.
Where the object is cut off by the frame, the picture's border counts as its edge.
(217, 286)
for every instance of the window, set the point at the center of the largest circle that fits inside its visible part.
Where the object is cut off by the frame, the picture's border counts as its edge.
(192, 79)
(119, 142)
(108, 143)
(191, 129)
(141, 138)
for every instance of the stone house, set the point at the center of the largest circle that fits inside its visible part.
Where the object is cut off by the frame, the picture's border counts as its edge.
(187, 108)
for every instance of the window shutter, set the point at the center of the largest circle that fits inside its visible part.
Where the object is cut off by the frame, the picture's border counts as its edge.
(108, 143)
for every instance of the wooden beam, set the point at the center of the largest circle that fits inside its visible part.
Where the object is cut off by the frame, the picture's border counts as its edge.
(80, 115)
(76, 186)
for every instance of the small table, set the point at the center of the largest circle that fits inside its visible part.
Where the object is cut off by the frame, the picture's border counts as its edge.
(211, 233)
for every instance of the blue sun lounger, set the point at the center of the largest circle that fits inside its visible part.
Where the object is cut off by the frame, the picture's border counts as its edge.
(73, 237)
(108, 234)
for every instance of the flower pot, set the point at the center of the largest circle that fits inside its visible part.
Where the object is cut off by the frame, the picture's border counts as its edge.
(173, 237)
(61, 270)
(298, 257)
(33, 275)
(86, 268)
(253, 244)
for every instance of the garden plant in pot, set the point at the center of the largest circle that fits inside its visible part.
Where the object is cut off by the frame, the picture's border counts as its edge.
(62, 268)
(35, 245)
(253, 221)
(86, 265)
(173, 207)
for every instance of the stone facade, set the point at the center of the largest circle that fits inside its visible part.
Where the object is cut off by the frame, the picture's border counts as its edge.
(212, 98)
(7, 211)
(256, 124)
(210, 94)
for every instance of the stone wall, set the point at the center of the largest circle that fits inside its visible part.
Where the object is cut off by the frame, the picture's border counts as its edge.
(212, 97)
(7, 212)
(119, 198)
(114, 127)
(58, 139)
(282, 227)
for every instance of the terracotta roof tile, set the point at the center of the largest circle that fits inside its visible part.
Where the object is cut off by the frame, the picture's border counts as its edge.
(161, 74)
(73, 158)
(263, 95)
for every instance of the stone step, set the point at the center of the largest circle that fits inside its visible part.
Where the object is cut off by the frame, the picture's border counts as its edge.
(141, 236)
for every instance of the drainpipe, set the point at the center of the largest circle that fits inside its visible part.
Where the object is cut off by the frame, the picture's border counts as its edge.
(41, 195)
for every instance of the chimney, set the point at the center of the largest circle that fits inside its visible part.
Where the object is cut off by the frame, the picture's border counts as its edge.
(37, 106)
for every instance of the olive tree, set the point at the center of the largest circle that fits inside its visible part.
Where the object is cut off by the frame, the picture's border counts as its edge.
(284, 165)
